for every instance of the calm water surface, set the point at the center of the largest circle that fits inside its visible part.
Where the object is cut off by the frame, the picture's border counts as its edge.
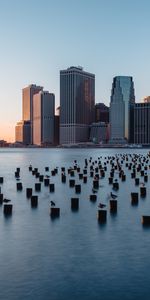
(72, 257)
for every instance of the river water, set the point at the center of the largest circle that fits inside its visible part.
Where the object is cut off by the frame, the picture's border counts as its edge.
(71, 257)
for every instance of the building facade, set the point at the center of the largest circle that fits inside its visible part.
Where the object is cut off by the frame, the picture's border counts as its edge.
(122, 110)
(27, 104)
(101, 113)
(142, 123)
(43, 118)
(23, 132)
(77, 100)
(99, 132)
(56, 130)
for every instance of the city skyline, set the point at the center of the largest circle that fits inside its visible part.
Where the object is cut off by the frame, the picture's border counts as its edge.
(107, 38)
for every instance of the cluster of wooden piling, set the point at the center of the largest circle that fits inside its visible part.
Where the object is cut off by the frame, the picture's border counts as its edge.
(76, 177)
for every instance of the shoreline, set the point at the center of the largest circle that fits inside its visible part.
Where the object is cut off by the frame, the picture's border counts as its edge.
(78, 147)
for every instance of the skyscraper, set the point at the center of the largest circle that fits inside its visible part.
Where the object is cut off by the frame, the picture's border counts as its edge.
(43, 118)
(122, 110)
(27, 104)
(142, 123)
(77, 100)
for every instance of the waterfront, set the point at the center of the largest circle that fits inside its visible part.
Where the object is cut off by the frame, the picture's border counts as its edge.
(73, 256)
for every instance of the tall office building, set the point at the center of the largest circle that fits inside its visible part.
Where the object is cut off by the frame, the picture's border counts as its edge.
(43, 118)
(122, 110)
(142, 123)
(77, 100)
(27, 104)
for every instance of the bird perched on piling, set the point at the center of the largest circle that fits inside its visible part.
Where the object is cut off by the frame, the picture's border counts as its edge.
(113, 195)
(52, 203)
(94, 191)
(6, 200)
(142, 183)
(101, 205)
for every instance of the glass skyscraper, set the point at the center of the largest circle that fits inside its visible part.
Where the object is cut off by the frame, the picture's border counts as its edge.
(77, 101)
(122, 110)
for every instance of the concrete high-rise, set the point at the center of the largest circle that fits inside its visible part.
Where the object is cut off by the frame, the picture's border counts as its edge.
(27, 104)
(122, 110)
(77, 100)
(43, 118)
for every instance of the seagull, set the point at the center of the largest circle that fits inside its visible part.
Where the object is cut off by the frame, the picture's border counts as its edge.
(94, 191)
(52, 203)
(6, 200)
(101, 205)
(113, 195)
(142, 183)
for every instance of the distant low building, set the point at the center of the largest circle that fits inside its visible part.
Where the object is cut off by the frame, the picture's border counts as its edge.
(23, 132)
(99, 132)
(3, 143)
(146, 99)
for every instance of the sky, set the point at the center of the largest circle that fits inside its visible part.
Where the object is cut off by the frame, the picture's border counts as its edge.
(39, 38)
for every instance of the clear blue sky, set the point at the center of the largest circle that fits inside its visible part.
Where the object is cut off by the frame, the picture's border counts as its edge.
(38, 38)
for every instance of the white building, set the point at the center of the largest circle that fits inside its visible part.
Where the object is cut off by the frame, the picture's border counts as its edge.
(43, 118)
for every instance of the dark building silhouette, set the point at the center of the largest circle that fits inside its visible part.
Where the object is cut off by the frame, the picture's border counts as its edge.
(56, 130)
(101, 113)
(142, 123)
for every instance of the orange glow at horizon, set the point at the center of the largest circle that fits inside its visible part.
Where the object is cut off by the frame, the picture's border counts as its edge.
(7, 132)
